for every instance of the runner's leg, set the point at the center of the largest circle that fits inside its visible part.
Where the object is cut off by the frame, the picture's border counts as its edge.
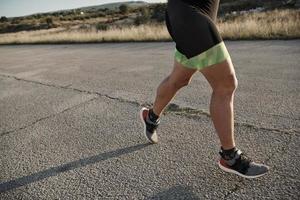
(223, 81)
(179, 77)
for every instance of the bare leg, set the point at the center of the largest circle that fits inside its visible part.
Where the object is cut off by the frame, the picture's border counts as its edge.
(223, 81)
(179, 77)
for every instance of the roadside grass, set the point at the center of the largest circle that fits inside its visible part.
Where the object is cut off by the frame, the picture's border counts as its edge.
(128, 34)
(276, 24)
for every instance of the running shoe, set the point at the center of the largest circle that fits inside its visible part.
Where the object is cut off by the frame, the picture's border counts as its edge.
(242, 166)
(149, 126)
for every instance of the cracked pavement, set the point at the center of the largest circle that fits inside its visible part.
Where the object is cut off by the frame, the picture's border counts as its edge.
(69, 124)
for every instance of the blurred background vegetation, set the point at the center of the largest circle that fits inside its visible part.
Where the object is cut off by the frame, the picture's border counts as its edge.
(136, 13)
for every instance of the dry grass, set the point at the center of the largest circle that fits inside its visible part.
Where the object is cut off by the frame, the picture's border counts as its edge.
(283, 24)
(140, 33)
(277, 24)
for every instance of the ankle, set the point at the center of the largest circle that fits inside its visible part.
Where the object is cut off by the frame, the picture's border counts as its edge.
(230, 155)
(152, 116)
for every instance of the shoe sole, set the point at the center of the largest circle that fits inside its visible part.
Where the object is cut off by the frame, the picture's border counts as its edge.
(238, 173)
(144, 124)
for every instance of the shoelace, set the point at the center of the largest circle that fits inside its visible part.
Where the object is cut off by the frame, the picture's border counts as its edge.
(242, 163)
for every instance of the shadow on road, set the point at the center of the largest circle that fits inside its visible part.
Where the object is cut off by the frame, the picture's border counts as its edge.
(53, 171)
(174, 193)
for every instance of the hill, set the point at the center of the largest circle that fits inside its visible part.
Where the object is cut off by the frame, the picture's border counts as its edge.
(115, 6)
(124, 14)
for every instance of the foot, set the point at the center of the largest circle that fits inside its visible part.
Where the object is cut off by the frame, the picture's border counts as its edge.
(149, 126)
(242, 166)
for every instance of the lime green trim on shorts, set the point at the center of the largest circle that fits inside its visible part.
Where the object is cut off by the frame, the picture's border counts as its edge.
(214, 55)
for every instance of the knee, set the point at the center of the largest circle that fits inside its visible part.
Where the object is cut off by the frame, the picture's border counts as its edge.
(179, 83)
(227, 86)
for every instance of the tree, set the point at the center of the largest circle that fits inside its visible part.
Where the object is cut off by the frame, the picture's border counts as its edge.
(3, 19)
(123, 8)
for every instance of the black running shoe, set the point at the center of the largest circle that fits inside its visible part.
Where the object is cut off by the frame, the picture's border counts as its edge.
(242, 166)
(149, 126)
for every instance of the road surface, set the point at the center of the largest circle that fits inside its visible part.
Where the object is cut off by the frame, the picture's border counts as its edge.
(69, 126)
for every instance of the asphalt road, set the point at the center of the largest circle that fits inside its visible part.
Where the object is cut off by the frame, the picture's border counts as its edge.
(69, 126)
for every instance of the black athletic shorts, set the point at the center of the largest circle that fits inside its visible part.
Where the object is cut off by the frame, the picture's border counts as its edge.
(192, 25)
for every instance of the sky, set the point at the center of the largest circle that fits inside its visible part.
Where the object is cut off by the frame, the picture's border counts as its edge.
(14, 8)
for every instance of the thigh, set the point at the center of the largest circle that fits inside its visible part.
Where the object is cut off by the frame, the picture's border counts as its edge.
(181, 73)
(221, 74)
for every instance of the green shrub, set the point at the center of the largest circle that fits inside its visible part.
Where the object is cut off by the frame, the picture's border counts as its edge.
(101, 27)
(158, 12)
(97, 14)
(37, 16)
(49, 21)
(21, 27)
(3, 19)
(15, 21)
(100, 14)
(109, 12)
(31, 17)
(78, 18)
(123, 9)
(143, 18)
